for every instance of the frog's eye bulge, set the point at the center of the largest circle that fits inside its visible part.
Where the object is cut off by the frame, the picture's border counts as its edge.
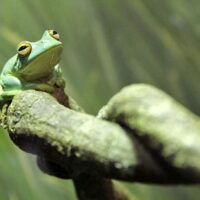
(54, 34)
(24, 49)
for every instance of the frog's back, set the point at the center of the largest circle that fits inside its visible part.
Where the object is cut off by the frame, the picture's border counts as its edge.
(9, 66)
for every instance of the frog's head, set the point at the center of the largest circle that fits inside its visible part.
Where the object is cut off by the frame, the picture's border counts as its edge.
(36, 60)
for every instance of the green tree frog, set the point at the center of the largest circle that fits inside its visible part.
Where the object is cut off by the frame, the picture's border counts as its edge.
(35, 66)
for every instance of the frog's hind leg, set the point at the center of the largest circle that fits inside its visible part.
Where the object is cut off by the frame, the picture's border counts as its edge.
(39, 86)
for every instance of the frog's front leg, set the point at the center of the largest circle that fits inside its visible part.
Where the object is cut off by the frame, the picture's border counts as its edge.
(9, 82)
(10, 86)
(57, 77)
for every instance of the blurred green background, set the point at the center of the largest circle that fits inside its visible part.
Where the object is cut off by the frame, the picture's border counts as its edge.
(107, 44)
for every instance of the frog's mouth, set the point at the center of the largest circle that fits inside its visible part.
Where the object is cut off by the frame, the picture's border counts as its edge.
(43, 65)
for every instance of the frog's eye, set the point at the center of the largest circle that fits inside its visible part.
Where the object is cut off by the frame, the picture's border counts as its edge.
(24, 49)
(54, 34)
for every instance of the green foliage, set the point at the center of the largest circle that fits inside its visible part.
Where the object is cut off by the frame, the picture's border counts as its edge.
(107, 45)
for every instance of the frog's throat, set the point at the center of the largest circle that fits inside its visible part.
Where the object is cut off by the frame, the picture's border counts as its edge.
(42, 65)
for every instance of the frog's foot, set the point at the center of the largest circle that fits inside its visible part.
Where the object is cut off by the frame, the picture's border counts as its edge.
(60, 83)
(8, 95)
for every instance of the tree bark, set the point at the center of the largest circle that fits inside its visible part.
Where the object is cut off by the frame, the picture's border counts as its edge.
(70, 144)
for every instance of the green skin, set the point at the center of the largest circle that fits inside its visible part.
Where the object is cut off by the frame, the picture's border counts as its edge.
(39, 70)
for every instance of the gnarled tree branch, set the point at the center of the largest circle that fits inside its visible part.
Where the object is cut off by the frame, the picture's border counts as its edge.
(76, 142)
(70, 144)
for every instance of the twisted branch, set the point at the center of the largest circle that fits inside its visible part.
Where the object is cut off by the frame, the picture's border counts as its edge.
(153, 139)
